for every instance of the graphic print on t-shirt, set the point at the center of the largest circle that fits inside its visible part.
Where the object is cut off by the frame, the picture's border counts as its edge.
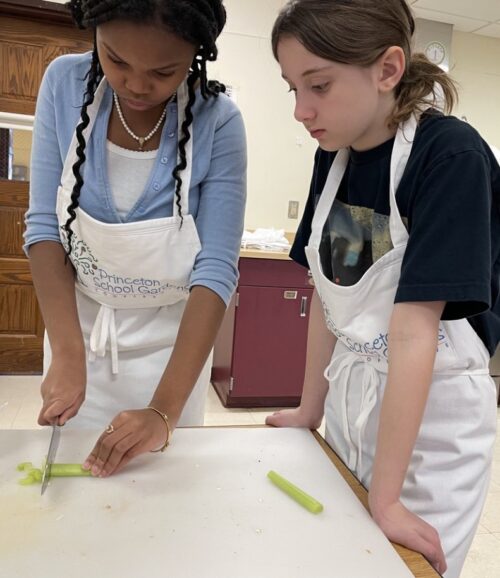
(354, 238)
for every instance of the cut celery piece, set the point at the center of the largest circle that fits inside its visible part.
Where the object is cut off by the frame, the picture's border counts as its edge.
(27, 481)
(296, 493)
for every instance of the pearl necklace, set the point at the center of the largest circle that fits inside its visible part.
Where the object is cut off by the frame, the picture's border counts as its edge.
(140, 139)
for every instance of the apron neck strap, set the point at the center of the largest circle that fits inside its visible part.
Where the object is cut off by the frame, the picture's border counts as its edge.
(325, 203)
(92, 110)
(401, 151)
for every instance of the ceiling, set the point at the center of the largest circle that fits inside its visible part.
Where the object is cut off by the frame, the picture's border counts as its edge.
(477, 16)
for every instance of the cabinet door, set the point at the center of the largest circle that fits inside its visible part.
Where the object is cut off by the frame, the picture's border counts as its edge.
(21, 326)
(270, 342)
(32, 34)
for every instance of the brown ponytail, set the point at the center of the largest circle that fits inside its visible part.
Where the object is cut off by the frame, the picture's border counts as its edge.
(417, 90)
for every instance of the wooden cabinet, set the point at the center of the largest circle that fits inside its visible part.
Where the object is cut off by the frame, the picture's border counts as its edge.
(21, 325)
(32, 34)
(259, 354)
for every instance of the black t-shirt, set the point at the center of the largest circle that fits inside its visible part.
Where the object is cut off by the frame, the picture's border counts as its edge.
(449, 199)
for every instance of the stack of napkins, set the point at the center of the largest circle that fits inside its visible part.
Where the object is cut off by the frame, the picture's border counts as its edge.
(265, 239)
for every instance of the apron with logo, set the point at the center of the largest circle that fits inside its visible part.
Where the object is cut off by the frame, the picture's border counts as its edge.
(448, 476)
(132, 285)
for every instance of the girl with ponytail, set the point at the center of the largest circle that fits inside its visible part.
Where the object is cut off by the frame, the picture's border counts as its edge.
(134, 227)
(401, 233)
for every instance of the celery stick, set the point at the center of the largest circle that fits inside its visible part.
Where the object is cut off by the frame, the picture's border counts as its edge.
(34, 475)
(68, 471)
(296, 493)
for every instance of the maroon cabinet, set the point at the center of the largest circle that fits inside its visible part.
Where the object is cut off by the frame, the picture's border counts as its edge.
(259, 354)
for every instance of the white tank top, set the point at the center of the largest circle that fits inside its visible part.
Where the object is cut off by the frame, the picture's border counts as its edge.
(128, 179)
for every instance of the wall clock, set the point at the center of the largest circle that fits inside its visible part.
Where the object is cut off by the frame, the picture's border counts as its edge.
(435, 52)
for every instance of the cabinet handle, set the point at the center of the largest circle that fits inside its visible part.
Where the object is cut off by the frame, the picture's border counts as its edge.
(303, 307)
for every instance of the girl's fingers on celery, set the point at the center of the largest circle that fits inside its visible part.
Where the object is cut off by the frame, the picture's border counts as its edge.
(128, 435)
(107, 452)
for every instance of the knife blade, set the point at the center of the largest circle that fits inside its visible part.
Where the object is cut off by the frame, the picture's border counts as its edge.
(51, 455)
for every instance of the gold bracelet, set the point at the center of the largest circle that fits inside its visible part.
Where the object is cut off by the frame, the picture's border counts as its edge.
(167, 423)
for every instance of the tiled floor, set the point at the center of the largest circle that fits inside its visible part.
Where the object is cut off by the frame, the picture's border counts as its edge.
(19, 405)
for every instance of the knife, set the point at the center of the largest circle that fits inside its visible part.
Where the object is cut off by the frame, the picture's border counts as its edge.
(51, 456)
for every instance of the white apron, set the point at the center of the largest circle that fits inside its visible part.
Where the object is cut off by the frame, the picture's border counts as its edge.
(132, 287)
(448, 476)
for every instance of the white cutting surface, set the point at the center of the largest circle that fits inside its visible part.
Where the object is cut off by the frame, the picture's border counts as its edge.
(204, 509)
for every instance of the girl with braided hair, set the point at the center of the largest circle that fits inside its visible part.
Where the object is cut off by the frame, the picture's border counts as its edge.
(135, 221)
(401, 233)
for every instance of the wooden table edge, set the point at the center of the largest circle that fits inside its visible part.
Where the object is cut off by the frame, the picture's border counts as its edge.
(417, 564)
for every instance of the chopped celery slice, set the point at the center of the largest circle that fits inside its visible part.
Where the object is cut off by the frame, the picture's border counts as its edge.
(27, 481)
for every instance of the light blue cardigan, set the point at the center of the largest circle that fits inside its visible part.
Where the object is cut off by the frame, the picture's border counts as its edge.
(218, 184)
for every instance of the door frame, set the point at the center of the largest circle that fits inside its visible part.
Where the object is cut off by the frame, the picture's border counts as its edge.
(36, 10)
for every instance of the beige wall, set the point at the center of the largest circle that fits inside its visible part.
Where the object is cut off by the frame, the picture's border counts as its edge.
(280, 152)
(476, 67)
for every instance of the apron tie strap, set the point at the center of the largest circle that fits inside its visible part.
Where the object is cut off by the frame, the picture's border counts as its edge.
(340, 369)
(371, 380)
(104, 328)
(336, 371)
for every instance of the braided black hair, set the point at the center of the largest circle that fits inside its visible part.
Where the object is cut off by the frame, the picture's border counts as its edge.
(94, 76)
(199, 22)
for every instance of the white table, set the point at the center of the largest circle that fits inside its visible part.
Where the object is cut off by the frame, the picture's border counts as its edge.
(203, 509)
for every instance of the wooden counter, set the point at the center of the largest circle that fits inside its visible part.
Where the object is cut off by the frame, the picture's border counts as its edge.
(260, 254)
(263, 254)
